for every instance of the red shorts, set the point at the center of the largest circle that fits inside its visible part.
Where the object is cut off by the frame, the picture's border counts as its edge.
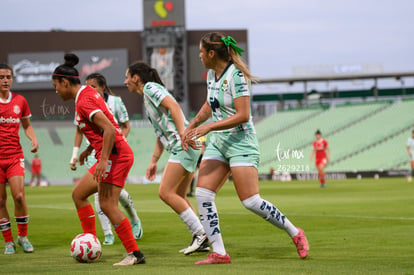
(321, 161)
(11, 167)
(118, 165)
(36, 170)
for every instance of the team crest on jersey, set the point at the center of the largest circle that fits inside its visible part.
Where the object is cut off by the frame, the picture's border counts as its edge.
(97, 95)
(16, 109)
(224, 86)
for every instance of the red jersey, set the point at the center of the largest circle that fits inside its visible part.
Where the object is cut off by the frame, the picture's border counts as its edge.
(320, 146)
(11, 112)
(89, 102)
(36, 163)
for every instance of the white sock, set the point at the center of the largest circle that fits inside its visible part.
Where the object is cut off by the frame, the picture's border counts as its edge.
(270, 213)
(209, 218)
(126, 201)
(191, 220)
(105, 222)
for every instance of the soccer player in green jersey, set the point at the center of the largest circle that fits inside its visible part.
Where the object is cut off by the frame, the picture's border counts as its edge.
(233, 145)
(169, 122)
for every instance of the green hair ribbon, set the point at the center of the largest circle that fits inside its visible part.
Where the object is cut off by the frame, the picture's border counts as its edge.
(230, 42)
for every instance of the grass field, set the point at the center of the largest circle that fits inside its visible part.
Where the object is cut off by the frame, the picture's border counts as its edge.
(353, 227)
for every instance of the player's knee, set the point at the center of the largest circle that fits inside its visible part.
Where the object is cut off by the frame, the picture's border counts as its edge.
(19, 198)
(164, 195)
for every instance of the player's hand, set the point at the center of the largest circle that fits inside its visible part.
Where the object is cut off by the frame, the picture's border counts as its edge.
(192, 136)
(100, 169)
(72, 164)
(35, 146)
(84, 157)
(151, 171)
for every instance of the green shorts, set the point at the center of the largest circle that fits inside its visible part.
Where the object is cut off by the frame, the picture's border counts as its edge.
(236, 150)
(187, 159)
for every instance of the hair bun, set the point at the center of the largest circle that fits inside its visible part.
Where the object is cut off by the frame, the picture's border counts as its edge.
(71, 59)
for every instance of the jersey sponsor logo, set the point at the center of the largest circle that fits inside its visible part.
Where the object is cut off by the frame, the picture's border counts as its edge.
(9, 120)
(214, 104)
(16, 109)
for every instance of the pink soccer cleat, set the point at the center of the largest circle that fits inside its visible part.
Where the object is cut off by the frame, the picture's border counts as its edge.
(301, 243)
(215, 258)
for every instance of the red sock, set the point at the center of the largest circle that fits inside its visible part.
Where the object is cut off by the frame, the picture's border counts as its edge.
(22, 223)
(5, 228)
(321, 178)
(87, 219)
(124, 232)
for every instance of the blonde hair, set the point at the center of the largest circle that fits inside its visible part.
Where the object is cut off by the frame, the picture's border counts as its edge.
(214, 41)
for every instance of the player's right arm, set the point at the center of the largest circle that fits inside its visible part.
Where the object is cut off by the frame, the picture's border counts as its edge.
(152, 167)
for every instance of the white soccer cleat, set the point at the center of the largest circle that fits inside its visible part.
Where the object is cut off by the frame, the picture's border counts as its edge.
(10, 248)
(199, 243)
(25, 243)
(131, 260)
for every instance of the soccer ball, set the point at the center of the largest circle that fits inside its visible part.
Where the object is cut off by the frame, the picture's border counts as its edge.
(85, 248)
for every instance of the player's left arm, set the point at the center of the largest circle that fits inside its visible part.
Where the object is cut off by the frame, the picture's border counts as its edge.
(328, 153)
(242, 115)
(107, 144)
(177, 116)
(125, 128)
(28, 130)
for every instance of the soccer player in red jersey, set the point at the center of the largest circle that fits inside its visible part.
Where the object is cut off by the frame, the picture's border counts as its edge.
(13, 111)
(322, 155)
(36, 169)
(113, 154)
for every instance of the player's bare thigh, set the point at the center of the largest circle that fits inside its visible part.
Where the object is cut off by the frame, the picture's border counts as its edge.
(246, 181)
(212, 174)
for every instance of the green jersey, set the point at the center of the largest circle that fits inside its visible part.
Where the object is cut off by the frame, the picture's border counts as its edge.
(221, 94)
(117, 107)
(159, 116)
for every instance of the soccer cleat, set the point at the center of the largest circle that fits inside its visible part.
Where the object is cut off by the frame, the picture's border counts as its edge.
(137, 230)
(204, 248)
(301, 243)
(197, 242)
(10, 248)
(25, 244)
(131, 259)
(109, 239)
(215, 258)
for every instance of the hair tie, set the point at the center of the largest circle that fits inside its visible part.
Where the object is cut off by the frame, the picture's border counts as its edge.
(230, 42)
(64, 75)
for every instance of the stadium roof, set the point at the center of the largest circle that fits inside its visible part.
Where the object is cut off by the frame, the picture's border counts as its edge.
(292, 80)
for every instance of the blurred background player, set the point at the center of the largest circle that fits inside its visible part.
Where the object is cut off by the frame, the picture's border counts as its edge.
(14, 111)
(115, 104)
(322, 155)
(36, 170)
(233, 145)
(194, 180)
(114, 158)
(169, 122)
(410, 149)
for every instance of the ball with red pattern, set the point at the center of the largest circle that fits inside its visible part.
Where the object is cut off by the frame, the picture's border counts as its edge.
(85, 248)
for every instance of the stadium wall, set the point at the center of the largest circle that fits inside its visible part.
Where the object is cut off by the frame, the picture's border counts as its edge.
(44, 103)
